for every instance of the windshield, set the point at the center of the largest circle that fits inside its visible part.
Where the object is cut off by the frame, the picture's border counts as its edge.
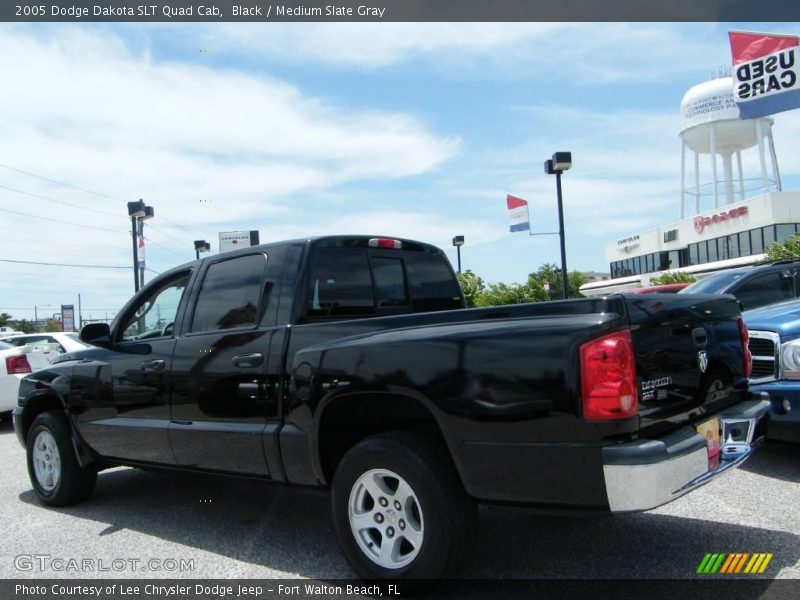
(714, 284)
(76, 338)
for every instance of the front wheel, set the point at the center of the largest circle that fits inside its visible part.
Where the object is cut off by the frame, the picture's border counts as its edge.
(400, 510)
(54, 471)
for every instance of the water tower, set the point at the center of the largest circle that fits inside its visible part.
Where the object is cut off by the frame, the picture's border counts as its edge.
(710, 125)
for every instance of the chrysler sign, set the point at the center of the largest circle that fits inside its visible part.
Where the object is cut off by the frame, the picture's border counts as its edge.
(700, 223)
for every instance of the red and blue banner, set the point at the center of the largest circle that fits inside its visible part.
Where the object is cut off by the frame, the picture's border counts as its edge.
(766, 73)
(518, 213)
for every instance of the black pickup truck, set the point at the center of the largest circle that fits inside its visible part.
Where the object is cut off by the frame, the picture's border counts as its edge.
(350, 362)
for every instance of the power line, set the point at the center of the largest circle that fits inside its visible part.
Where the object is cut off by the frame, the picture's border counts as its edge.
(31, 262)
(78, 206)
(74, 187)
(15, 212)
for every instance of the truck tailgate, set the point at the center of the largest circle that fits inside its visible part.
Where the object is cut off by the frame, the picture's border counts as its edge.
(689, 357)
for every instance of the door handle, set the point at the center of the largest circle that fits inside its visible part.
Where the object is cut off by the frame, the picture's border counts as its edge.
(150, 366)
(253, 359)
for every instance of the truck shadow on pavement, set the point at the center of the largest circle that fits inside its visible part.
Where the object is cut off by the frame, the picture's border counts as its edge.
(780, 460)
(6, 425)
(291, 530)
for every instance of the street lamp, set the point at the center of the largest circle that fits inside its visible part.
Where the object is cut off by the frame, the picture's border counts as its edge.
(458, 241)
(138, 212)
(560, 162)
(201, 246)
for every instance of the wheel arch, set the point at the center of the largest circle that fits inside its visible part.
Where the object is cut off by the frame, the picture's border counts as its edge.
(346, 419)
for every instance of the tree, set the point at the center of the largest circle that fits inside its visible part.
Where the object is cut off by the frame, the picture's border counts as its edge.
(673, 277)
(552, 274)
(4, 319)
(514, 293)
(24, 326)
(789, 250)
(471, 286)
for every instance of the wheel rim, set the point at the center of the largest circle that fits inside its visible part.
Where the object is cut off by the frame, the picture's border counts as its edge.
(46, 461)
(386, 518)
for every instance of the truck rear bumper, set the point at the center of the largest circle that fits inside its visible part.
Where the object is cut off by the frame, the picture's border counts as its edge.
(645, 474)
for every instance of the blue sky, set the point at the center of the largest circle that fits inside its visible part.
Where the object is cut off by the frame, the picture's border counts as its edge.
(295, 129)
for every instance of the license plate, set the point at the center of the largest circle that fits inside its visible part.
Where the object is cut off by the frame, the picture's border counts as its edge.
(710, 430)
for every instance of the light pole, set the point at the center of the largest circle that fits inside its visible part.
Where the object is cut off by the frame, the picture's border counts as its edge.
(560, 162)
(458, 241)
(138, 212)
(201, 246)
(36, 315)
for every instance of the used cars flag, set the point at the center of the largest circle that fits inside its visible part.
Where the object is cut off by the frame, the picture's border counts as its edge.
(766, 73)
(518, 213)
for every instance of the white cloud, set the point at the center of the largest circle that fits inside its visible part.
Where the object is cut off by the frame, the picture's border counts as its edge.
(577, 52)
(88, 109)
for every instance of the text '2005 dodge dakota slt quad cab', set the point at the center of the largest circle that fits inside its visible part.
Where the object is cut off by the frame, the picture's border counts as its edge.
(351, 362)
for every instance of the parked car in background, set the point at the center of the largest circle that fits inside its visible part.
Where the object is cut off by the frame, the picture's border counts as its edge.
(15, 363)
(775, 346)
(752, 286)
(665, 288)
(66, 342)
(5, 330)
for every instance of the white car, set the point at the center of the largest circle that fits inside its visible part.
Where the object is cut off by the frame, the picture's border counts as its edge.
(15, 363)
(67, 342)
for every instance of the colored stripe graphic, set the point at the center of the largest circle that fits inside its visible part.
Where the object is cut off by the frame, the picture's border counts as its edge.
(734, 563)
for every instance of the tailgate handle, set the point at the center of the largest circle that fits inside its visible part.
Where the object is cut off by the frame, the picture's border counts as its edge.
(699, 337)
(253, 359)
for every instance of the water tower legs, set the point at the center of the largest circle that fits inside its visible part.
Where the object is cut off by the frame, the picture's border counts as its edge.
(741, 177)
(727, 174)
(775, 172)
(762, 161)
(712, 142)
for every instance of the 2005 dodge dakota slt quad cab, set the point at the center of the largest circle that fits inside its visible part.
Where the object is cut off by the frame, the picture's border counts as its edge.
(351, 362)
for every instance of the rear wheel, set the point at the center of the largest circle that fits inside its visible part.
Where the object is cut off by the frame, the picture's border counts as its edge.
(56, 476)
(400, 510)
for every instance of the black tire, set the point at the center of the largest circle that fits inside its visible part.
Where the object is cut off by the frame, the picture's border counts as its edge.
(448, 521)
(74, 482)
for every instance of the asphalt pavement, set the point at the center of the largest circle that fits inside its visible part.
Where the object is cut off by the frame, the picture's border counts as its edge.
(142, 524)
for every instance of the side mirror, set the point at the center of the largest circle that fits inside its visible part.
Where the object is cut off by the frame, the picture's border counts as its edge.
(96, 334)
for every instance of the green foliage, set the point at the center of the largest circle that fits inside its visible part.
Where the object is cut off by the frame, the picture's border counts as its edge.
(552, 273)
(471, 285)
(479, 294)
(24, 326)
(514, 293)
(4, 319)
(673, 277)
(789, 250)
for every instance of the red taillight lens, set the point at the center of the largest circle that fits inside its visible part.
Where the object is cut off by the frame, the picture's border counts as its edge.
(385, 243)
(747, 356)
(17, 364)
(608, 378)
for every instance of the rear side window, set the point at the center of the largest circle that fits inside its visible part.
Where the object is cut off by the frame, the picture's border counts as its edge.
(340, 284)
(433, 286)
(390, 283)
(230, 294)
(769, 288)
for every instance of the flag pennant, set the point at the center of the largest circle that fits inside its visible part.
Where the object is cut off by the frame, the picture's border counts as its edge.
(518, 213)
(766, 73)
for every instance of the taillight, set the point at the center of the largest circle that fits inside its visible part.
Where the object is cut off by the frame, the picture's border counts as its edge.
(747, 356)
(17, 364)
(608, 378)
(385, 243)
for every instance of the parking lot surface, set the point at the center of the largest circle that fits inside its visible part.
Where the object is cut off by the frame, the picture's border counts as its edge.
(186, 526)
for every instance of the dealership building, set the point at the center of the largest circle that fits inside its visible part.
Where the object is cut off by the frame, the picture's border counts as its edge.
(729, 214)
